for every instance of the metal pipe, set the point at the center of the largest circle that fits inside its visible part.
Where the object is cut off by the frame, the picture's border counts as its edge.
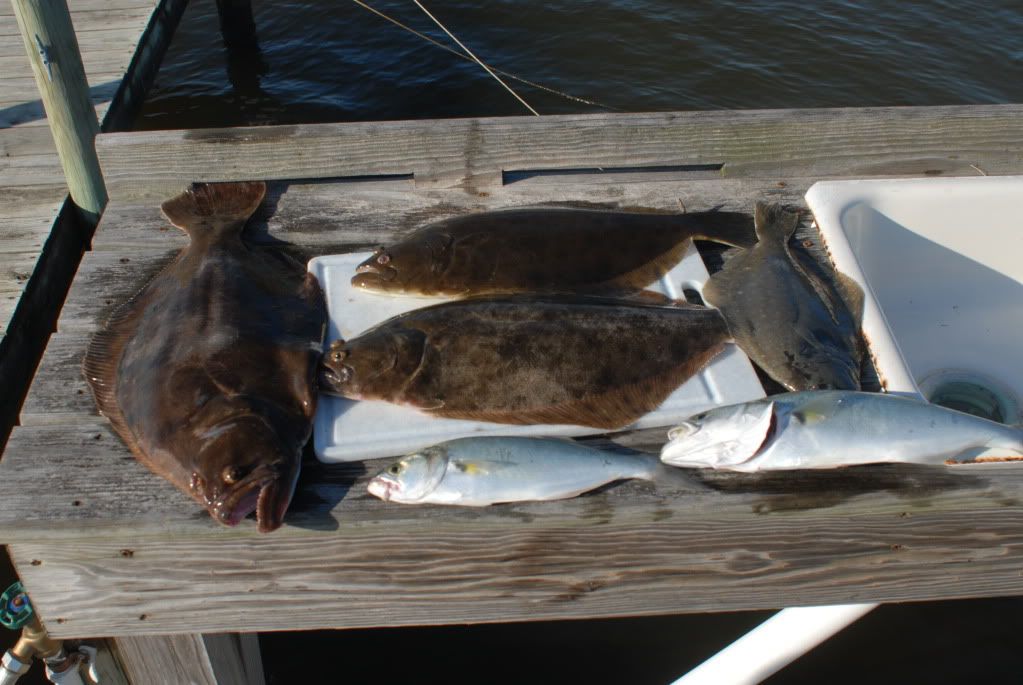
(774, 644)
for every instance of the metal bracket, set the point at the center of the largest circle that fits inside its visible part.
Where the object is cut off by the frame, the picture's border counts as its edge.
(44, 53)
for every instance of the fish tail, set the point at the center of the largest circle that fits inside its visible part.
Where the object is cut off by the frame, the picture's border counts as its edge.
(730, 228)
(774, 223)
(672, 478)
(214, 210)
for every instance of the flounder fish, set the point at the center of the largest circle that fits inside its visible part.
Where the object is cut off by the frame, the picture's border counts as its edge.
(830, 428)
(792, 322)
(544, 250)
(208, 373)
(582, 360)
(476, 472)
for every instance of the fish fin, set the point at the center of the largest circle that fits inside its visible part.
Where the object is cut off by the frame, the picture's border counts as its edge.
(852, 293)
(479, 467)
(774, 224)
(730, 228)
(815, 410)
(639, 278)
(100, 364)
(214, 209)
(610, 410)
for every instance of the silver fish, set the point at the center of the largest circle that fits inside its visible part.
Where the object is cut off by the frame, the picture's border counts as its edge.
(830, 428)
(479, 471)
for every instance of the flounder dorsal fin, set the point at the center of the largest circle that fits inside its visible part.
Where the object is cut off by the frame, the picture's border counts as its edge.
(100, 367)
(213, 210)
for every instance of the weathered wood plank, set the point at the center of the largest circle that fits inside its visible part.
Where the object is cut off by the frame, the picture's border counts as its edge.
(190, 658)
(35, 316)
(472, 153)
(345, 559)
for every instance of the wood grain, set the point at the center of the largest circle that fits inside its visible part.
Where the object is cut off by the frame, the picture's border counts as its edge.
(472, 153)
(191, 658)
(625, 551)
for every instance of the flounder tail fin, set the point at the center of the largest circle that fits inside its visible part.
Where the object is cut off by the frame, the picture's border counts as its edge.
(774, 224)
(214, 210)
(730, 228)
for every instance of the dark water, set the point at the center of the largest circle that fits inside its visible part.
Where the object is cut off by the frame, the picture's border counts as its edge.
(331, 60)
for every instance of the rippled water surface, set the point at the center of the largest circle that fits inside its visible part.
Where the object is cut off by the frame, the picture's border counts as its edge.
(332, 60)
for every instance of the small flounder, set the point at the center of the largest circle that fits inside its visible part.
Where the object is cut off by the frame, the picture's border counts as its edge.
(208, 373)
(544, 250)
(488, 470)
(797, 326)
(591, 361)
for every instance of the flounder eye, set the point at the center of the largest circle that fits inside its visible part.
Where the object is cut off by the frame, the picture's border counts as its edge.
(338, 355)
(231, 474)
(383, 258)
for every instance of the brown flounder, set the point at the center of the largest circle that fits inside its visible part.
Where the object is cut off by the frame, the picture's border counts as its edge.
(544, 250)
(582, 360)
(208, 373)
(799, 327)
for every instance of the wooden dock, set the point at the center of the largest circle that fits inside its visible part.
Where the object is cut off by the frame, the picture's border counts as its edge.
(121, 42)
(106, 548)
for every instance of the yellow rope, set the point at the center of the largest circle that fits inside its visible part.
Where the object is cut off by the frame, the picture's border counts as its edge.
(532, 84)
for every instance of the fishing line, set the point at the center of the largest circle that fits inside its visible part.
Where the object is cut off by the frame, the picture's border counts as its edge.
(506, 74)
(477, 59)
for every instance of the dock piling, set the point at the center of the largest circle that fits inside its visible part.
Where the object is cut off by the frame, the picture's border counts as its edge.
(52, 49)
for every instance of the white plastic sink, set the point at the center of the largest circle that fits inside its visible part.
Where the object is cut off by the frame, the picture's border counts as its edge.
(941, 264)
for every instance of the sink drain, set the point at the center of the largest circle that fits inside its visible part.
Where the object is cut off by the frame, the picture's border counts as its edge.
(973, 394)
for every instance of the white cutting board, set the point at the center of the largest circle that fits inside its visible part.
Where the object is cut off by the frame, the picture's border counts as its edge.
(350, 430)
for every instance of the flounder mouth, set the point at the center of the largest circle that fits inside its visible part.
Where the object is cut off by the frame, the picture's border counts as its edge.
(261, 494)
(369, 274)
(332, 379)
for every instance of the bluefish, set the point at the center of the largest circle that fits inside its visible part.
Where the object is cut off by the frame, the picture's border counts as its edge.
(208, 374)
(527, 359)
(829, 428)
(487, 470)
(544, 250)
(800, 328)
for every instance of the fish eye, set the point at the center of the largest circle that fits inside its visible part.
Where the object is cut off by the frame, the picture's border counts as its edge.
(383, 258)
(395, 469)
(231, 474)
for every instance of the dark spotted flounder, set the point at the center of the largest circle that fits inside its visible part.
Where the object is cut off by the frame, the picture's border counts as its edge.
(544, 250)
(800, 328)
(582, 360)
(208, 373)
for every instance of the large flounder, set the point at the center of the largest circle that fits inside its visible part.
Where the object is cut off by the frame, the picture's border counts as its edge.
(208, 373)
(582, 360)
(803, 330)
(544, 250)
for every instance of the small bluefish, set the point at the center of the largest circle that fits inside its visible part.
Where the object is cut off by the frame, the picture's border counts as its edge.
(544, 250)
(479, 471)
(800, 328)
(830, 428)
(208, 374)
(528, 359)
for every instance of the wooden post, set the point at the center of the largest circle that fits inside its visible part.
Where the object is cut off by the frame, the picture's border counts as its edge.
(57, 64)
(218, 659)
